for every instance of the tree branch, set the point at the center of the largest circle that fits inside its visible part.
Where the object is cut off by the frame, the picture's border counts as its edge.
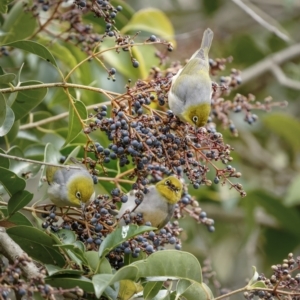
(262, 18)
(267, 64)
(13, 251)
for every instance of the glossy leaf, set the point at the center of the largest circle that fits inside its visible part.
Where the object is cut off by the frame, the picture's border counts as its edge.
(37, 243)
(11, 181)
(55, 271)
(170, 263)
(28, 99)
(194, 290)
(18, 25)
(18, 201)
(2, 109)
(259, 284)
(121, 235)
(145, 55)
(153, 21)
(65, 236)
(8, 121)
(16, 219)
(101, 281)
(151, 289)
(4, 6)
(75, 126)
(7, 78)
(34, 48)
(68, 282)
(104, 267)
(62, 53)
(254, 276)
(92, 258)
(4, 162)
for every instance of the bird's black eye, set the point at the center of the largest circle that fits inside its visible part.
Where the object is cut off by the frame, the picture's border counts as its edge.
(167, 182)
(195, 119)
(78, 195)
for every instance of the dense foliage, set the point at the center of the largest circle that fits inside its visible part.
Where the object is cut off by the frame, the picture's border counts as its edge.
(90, 79)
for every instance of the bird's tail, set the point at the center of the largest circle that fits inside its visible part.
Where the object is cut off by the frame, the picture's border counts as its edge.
(207, 38)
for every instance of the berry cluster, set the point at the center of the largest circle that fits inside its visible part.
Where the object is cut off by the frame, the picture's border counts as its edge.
(282, 284)
(15, 284)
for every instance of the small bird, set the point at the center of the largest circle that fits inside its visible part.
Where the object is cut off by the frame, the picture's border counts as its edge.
(70, 187)
(157, 206)
(191, 88)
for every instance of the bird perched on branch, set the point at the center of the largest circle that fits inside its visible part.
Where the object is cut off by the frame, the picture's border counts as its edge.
(191, 88)
(157, 206)
(70, 187)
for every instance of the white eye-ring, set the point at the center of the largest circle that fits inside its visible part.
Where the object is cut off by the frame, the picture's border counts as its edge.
(78, 195)
(167, 182)
(195, 119)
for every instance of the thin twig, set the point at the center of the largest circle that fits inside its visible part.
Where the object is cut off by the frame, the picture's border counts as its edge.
(39, 162)
(267, 64)
(260, 17)
(54, 118)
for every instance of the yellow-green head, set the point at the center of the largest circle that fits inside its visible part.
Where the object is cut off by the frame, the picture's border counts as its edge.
(70, 187)
(170, 188)
(80, 189)
(197, 115)
(191, 89)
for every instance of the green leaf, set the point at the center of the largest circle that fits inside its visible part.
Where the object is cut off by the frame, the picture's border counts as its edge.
(119, 236)
(8, 121)
(258, 284)
(18, 201)
(145, 55)
(254, 276)
(64, 236)
(194, 290)
(7, 78)
(62, 53)
(34, 48)
(20, 167)
(153, 21)
(16, 219)
(28, 99)
(151, 289)
(37, 244)
(2, 109)
(67, 282)
(55, 271)
(92, 258)
(104, 267)
(4, 6)
(102, 281)
(286, 127)
(75, 126)
(18, 25)
(170, 263)
(76, 253)
(11, 182)
(4, 162)
(293, 192)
